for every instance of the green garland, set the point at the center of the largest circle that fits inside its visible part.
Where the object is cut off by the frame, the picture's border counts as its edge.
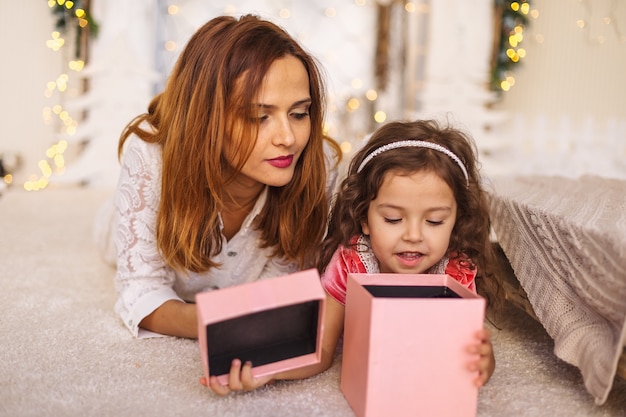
(506, 20)
(66, 19)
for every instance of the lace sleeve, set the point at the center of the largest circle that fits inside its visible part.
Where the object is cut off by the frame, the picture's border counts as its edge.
(143, 281)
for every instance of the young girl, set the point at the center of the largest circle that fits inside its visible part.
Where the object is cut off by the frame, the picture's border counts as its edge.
(225, 180)
(411, 203)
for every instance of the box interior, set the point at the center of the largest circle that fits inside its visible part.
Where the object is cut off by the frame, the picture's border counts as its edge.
(263, 337)
(411, 291)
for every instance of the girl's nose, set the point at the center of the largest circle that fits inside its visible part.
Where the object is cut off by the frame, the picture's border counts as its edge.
(413, 232)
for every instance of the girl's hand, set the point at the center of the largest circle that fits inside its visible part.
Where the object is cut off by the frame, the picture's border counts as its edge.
(239, 379)
(485, 364)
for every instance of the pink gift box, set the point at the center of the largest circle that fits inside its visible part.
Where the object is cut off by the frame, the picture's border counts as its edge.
(404, 348)
(276, 324)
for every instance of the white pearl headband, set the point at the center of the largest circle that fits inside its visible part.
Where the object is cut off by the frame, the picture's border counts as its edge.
(418, 144)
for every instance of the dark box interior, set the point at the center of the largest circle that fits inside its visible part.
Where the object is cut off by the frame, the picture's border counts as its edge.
(411, 291)
(264, 337)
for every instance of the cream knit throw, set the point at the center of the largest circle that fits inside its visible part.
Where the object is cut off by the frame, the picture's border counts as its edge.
(566, 241)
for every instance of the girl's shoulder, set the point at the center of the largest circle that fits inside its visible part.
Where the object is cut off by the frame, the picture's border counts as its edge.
(358, 255)
(462, 269)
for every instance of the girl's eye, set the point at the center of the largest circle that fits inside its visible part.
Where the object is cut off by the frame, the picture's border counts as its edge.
(435, 222)
(392, 221)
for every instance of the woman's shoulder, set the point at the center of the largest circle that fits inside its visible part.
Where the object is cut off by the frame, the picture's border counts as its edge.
(134, 145)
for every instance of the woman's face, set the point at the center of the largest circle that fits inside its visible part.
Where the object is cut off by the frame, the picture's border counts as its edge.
(410, 222)
(282, 109)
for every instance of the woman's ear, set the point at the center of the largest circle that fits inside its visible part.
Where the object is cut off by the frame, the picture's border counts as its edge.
(365, 228)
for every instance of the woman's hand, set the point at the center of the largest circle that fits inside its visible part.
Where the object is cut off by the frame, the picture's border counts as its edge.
(239, 379)
(485, 364)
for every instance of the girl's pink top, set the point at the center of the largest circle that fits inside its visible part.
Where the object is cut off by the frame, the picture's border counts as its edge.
(359, 258)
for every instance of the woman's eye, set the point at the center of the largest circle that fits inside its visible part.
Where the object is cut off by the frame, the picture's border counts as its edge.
(300, 116)
(392, 221)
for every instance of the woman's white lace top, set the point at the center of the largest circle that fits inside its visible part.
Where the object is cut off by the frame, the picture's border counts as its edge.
(143, 280)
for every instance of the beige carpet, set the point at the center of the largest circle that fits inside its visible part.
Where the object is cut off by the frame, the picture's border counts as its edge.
(64, 352)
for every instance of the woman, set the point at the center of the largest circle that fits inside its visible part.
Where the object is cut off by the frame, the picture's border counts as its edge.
(225, 179)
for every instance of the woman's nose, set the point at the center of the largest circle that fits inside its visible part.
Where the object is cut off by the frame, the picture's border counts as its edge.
(284, 134)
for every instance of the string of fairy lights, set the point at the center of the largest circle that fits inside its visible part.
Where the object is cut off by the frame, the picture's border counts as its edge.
(73, 19)
(70, 19)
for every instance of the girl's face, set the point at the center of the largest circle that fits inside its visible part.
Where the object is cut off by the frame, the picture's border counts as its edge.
(282, 108)
(410, 222)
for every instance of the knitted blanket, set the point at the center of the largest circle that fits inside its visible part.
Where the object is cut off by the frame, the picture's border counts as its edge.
(566, 241)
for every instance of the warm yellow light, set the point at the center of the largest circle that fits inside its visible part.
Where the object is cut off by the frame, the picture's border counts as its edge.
(515, 6)
(59, 161)
(8, 178)
(51, 3)
(525, 8)
(44, 166)
(410, 7)
(353, 104)
(80, 13)
(346, 147)
(69, 4)
(170, 46)
(284, 13)
(172, 9)
(505, 86)
(371, 95)
(380, 116)
(56, 42)
(534, 13)
(77, 65)
(521, 52)
(580, 23)
(330, 12)
(357, 83)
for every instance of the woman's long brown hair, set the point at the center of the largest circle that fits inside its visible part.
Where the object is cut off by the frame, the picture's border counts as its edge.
(470, 234)
(206, 104)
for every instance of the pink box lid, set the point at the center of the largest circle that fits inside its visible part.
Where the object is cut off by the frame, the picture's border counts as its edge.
(277, 323)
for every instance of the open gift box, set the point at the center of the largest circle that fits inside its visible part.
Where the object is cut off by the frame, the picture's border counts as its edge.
(276, 324)
(405, 345)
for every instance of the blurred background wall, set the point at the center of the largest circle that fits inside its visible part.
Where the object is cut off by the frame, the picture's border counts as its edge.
(564, 112)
